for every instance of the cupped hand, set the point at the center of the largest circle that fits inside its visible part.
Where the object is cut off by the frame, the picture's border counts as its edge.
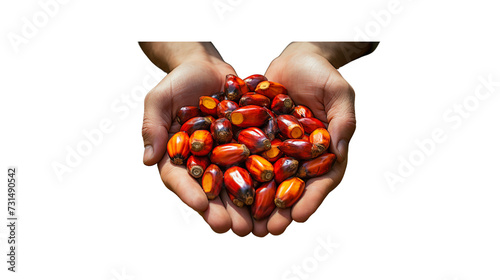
(181, 87)
(312, 81)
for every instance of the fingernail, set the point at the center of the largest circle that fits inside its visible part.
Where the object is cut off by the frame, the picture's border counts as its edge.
(342, 148)
(148, 153)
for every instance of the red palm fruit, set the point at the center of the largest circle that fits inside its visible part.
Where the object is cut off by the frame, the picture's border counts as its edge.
(284, 168)
(260, 169)
(222, 131)
(212, 181)
(321, 138)
(253, 80)
(236, 201)
(255, 140)
(300, 149)
(201, 142)
(274, 153)
(229, 154)
(250, 115)
(316, 167)
(208, 105)
(270, 89)
(225, 108)
(288, 192)
(219, 95)
(239, 183)
(234, 87)
(178, 148)
(282, 104)
(264, 205)
(290, 127)
(271, 128)
(196, 123)
(197, 165)
(310, 124)
(301, 111)
(255, 99)
(187, 112)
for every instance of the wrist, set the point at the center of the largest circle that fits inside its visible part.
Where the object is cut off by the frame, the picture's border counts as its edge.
(337, 53)
(169, 55)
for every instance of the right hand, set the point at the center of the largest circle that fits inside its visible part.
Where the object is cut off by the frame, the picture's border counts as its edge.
(181, 87)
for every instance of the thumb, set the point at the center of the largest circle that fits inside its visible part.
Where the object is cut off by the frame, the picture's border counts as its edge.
(154, 128)
(341, 118)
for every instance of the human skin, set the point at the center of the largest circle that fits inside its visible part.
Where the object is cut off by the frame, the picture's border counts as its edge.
(307, 70)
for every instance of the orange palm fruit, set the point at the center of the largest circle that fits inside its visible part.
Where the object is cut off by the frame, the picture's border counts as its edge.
(321, 138)
(310, 124)
(288, 192)
(255, 140)
(284, 168)
(234, 87)
(270, 89)
(208, 105)
(254, 99)
(290, 127)
(229, 154)
(197, 165)
(270, 128)
(221, 130)
(201, 142)
(187, 112)
(260, 168)
(239, 183)
(178, 148)
(253, 80)
(212, 181)
(218, 95)
(282, 104)
(274, 153)
(225, 108)
(250, 115)
(300, 149)
(301, 111)
(264, 205)
(196, 123)
(317, 166)
(236, 201)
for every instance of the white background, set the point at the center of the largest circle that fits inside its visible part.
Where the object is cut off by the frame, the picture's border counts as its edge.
(112, 218)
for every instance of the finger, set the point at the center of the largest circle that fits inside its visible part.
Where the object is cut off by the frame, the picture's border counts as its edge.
(341, 115)
(241, 222)
(260, 227)
(316, 191)
(176, 179)
(279, 221)
(155, 127)
(216, 216)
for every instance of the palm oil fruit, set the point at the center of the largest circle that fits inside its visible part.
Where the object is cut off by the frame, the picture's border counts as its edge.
(288, 192)
(260, 168)
(264, 205)
(255, 140)
(234, 88)
(178, 148)
(317, 166)
(212, 181)
(239, 183)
